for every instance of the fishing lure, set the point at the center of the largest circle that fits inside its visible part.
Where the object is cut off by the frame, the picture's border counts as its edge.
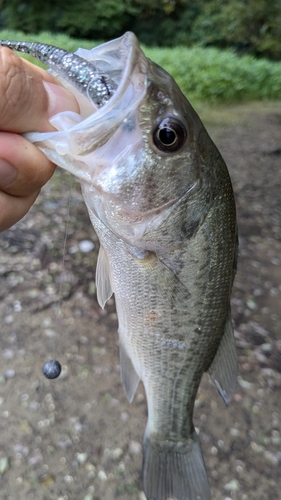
(84, 75)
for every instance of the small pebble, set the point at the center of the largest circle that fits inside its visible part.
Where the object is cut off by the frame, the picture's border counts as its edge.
(68, 479)
(4, 464)
(8, 353)
(232, 485)
(117, 453)
(10, 373)
(102, 476)
(81, 457)
(50, 333)
(86, 246)
(141, 496)
(89, 496)
(135, 448)
(52, 369)
(245, 384)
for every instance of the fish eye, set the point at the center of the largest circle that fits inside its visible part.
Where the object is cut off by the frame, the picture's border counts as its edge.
(169, 135)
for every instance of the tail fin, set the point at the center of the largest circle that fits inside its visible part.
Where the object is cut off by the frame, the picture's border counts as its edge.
(171, 472)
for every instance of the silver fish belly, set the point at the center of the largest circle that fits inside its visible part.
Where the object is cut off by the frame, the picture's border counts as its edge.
(160, 199)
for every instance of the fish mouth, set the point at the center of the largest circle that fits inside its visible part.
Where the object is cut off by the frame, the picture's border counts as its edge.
(80, 135)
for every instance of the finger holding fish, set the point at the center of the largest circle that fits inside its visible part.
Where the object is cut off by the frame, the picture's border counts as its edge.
(29, 96)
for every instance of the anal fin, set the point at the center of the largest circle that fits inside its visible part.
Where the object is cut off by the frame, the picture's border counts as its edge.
(129, 376)
(224, 368)
(103, 283)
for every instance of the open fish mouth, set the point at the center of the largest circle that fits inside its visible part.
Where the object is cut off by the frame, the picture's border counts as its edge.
(119, 61)
(109, 83)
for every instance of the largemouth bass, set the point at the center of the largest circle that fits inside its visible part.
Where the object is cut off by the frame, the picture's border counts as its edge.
(160, 199)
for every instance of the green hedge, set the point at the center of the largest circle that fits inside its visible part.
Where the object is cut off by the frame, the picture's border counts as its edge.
(204, 74)
(213, 75)
(246, 26)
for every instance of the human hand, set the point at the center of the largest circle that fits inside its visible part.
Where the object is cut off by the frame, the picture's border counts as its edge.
(29, 97)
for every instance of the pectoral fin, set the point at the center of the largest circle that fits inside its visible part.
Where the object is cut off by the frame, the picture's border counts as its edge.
(223, 370)
(129, 376)
(103, 283)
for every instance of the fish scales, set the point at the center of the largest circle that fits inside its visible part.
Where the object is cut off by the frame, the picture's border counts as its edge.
(160, 199)
(153, 340)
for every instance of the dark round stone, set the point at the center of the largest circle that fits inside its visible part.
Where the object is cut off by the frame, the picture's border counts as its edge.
(52, 369)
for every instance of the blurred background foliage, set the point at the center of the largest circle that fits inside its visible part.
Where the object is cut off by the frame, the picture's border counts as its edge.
(217, 51)
(204, 74)
(246, 26)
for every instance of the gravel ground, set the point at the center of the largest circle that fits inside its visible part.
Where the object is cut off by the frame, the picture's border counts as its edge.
(77, 437)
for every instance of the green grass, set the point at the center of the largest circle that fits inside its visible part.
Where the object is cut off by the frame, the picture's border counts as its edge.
(203, 74)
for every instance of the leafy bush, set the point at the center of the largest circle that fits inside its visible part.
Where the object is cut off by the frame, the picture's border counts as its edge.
(156, 22)
(203, 74)
(252, 26)
(210, 74)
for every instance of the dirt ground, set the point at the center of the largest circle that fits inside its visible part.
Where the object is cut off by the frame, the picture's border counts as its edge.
(77, 437)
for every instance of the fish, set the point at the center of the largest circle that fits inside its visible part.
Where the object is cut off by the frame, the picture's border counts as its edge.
(160, 198)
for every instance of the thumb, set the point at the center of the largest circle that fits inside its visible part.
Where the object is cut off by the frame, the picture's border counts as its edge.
(59, 99)
(29, 95)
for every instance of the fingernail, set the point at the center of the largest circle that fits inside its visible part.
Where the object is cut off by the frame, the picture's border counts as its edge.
(60, 99)
(7, 173)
